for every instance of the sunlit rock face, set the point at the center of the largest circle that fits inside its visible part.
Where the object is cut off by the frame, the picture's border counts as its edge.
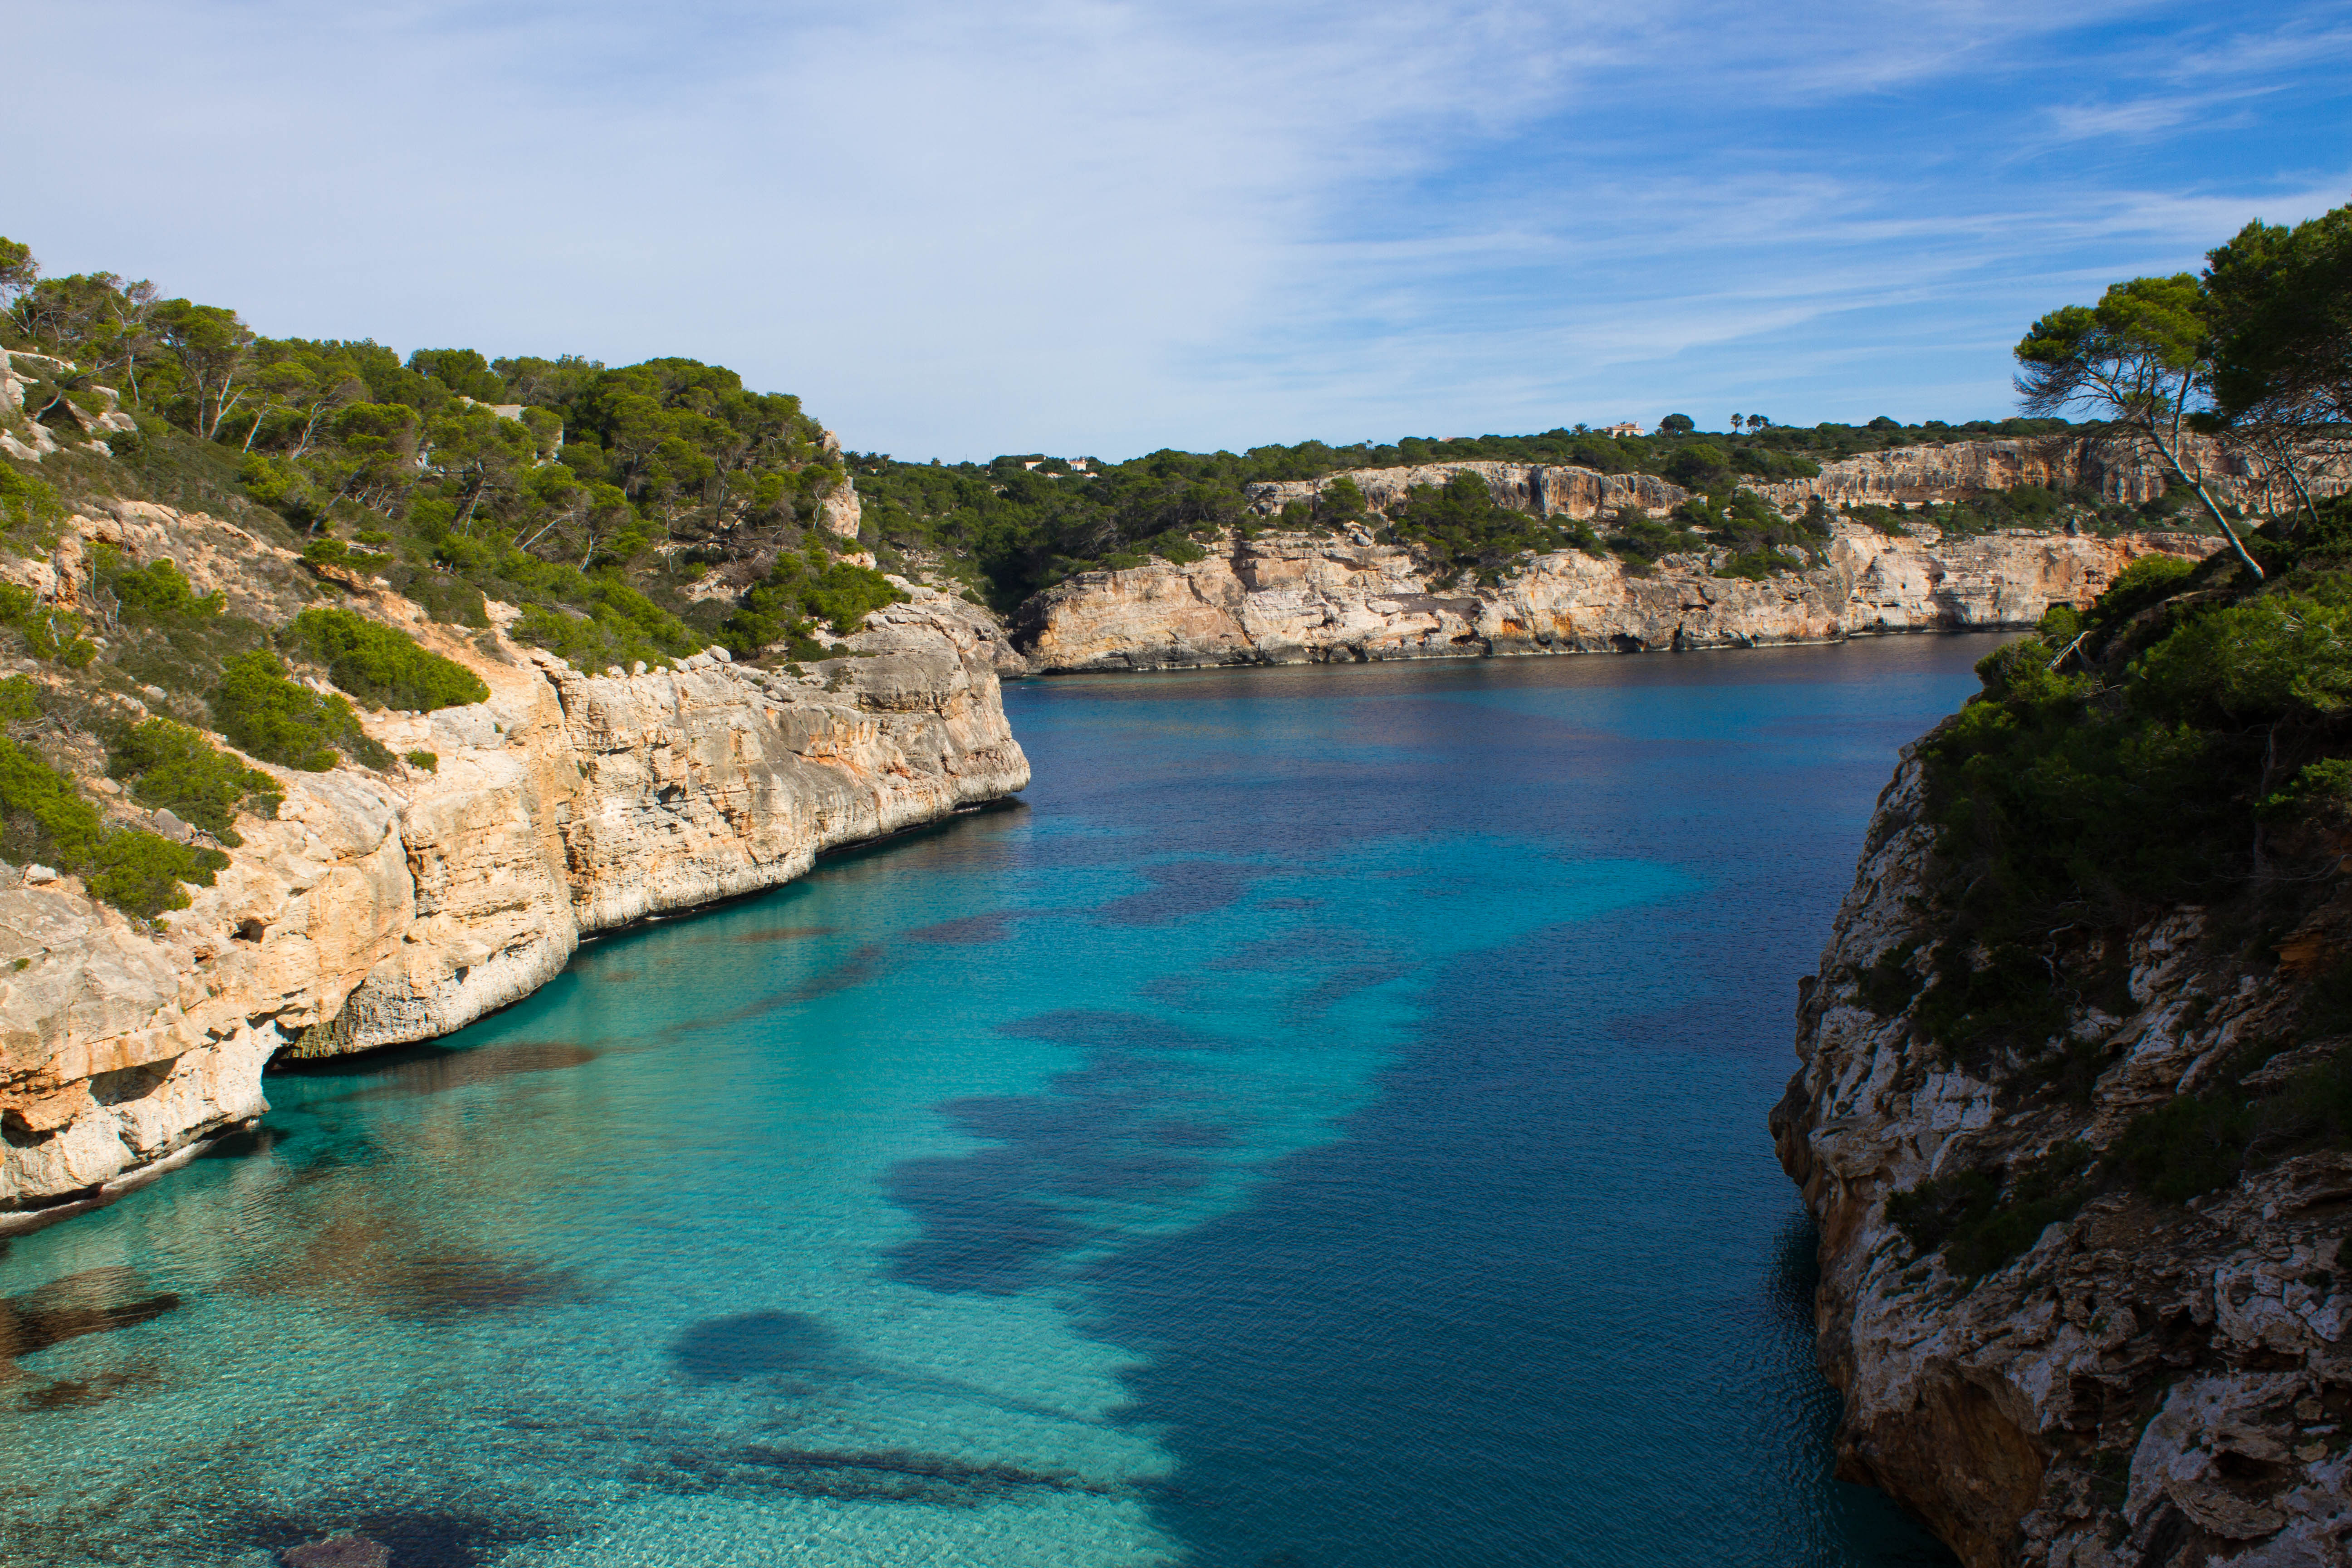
(1284, 598)
(386, 907)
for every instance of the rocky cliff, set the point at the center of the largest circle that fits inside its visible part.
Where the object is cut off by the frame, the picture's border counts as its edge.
(381, 907)
(2148, 1384)
(1283, 598)
(1912, 475)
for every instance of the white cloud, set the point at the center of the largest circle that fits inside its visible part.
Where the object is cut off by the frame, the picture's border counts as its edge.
(1093, 226)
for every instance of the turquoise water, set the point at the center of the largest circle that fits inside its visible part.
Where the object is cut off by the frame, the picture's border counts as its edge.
(1324, 1125)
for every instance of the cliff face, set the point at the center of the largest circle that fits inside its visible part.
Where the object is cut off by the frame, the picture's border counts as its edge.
(1913, 475)
(1288, 598)
(1285, 597)
(2149, 1385)
(381, 908)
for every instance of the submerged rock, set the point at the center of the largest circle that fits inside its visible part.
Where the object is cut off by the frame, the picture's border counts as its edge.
(345, 1550)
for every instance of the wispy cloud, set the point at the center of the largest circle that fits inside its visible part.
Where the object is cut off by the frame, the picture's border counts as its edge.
(1097, 226)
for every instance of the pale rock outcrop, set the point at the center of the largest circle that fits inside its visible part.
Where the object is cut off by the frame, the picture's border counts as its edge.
(1283, 598)
(2148, 1384)
(381, 908)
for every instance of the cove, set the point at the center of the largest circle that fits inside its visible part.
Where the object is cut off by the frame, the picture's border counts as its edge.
(1323, 1126)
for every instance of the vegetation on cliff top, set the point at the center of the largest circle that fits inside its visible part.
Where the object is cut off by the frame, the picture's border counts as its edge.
(2185, 740)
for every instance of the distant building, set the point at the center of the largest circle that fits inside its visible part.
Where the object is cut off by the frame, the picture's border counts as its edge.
(1628, 429)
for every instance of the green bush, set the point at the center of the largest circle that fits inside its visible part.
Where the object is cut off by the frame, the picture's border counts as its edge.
(26, 503)
(155, 591)
(173, 767)
(50, 633)
(140, 873)
(2191, 1145)
(44, 818)
(21, 698)
(382, 665)
(429, 761)
(2321, 789)
(266, 715)
(776, 608)
(1977, 1224)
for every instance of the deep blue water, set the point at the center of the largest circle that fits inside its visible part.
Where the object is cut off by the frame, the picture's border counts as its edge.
(1324, 1125)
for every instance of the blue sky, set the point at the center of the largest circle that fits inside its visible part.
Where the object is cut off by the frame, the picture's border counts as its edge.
(1102, 228)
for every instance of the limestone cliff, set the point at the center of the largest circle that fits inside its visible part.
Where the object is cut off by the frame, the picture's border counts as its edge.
(1283, 598)
(394, 906)
(2150, 1385)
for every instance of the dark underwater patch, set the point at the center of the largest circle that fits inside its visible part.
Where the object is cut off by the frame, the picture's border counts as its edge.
(866, 963)
(1191, 888)
(994, 1220)
(417, 1537)
(876, 1475)
(242, 1143)
(74, 1394)
(459, 1285)
(92, 1301)
(973, 930)
(778, 934)
(757, 1344)
(465, 1069)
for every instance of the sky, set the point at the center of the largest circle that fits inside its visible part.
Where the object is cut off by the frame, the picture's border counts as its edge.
(1099, 229)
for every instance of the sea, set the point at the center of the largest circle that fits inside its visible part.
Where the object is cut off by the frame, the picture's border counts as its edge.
(1320, 1124)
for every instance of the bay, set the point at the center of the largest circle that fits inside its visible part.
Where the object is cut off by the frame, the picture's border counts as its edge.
(1323, 1124)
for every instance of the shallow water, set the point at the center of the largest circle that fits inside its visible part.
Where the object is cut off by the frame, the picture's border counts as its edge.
(1325, 1125)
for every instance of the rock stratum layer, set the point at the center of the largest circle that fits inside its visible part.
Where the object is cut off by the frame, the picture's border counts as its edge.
(1283, 598)
(2149, 1385)
(387, 907)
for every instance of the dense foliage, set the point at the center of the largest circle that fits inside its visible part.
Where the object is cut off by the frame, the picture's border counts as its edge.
(172, 767)
(382, 665)
(589, 495)
(1021, 523)
(265, 714)
(44, 818)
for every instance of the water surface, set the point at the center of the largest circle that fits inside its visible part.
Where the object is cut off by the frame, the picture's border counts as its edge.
(1323, 1126)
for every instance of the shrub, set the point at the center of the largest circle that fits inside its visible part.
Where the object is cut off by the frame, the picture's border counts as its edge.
(2190, 1145)
(42, 818)
(382, 665)
(50, 633)
(266, 715)
(27, 502)
(429, 761)
(775, 609)
(21, 698)
(1977, 1225)
(140, 873)
(173, 767)
(155, 591)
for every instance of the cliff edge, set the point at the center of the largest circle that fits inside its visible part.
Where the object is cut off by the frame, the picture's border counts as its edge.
(379, 906)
